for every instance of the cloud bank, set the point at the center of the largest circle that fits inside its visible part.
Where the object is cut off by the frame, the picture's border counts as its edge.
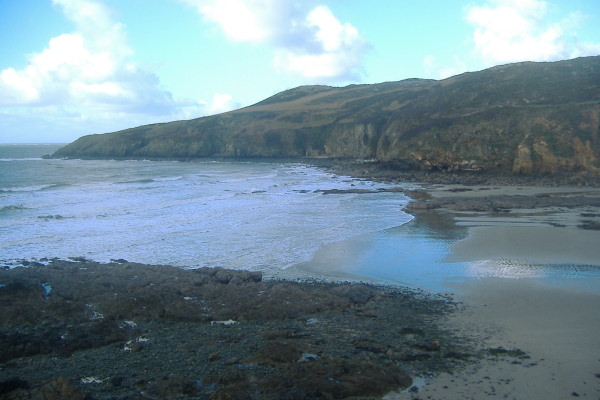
(89, 76)
(311, 44)
(89, 66)
(520, 30)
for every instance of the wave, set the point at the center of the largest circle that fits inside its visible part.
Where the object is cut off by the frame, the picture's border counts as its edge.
(49, 217)
(12, 208)
(149, 180)
(21, 159)
(56, 186)
(168, 179)
(34, 188)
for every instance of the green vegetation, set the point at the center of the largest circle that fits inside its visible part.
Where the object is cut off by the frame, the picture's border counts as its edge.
(475, 121)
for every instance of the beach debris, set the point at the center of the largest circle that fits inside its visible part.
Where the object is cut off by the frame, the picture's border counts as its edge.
(47, 289)
(91, 379)
(127, 325)
(135, 344)
(228, 322)
(95, 315)
(308, 357)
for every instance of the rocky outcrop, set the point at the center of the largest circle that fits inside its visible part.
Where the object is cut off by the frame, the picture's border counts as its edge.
(75, 330)
(525, 118)
(584, 156)
(523, 163)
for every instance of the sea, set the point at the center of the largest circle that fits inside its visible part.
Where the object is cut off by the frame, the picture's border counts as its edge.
(243, 215)
(284, 219)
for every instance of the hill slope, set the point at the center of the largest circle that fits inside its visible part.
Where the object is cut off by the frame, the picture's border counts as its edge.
(519, 118)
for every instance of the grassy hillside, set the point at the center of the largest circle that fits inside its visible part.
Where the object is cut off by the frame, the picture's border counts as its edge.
(519, 118)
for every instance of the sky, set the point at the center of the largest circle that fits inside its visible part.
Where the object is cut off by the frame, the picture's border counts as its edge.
(70, 68)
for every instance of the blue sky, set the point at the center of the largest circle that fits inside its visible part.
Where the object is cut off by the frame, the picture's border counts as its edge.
(69, 68)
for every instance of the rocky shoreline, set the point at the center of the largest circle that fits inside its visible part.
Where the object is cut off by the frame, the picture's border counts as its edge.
(470, 192)
(374, 170)
(79, 329)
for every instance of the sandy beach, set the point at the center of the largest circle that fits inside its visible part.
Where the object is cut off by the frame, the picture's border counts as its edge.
(557, 329)
(552, 325)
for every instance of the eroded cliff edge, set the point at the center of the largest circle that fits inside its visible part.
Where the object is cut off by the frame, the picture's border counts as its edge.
(521, 119)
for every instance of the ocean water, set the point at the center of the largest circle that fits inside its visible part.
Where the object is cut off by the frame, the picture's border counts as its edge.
(272, 217)
(259, 216)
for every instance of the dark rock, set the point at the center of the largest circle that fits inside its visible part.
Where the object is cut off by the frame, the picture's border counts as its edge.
(170, 387)
(501, 202)
(277, 352)
(337, 379)
(368, 345)
(12, 385)
(355, 293)
(411, 331)
(223, 276)
(117, 381)
(269, 351)
(415, 357)
(433, 346)
(589, 225)
(55, 389)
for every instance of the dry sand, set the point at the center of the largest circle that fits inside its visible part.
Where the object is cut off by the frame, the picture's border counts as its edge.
(556, 325)
(557, 328)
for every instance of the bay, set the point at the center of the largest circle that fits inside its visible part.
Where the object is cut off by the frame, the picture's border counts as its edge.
(261, 216)
(288, 220)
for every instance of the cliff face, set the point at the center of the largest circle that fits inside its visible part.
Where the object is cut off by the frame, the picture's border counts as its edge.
(524, 118)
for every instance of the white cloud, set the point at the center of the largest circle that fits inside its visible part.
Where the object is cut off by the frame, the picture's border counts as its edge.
(312, 44)
(331, 50)
(242, 21)
(90, 69)
(222, 103)
(519, 30)
(429, 63)
(329, 31)
(436, 71)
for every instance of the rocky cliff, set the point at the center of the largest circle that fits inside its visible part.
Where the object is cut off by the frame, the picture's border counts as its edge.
(525, 118)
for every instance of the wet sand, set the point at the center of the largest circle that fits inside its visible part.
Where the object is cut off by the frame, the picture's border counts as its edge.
(530, 286)
(556, 327)
(555, 323)
(531, 244)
